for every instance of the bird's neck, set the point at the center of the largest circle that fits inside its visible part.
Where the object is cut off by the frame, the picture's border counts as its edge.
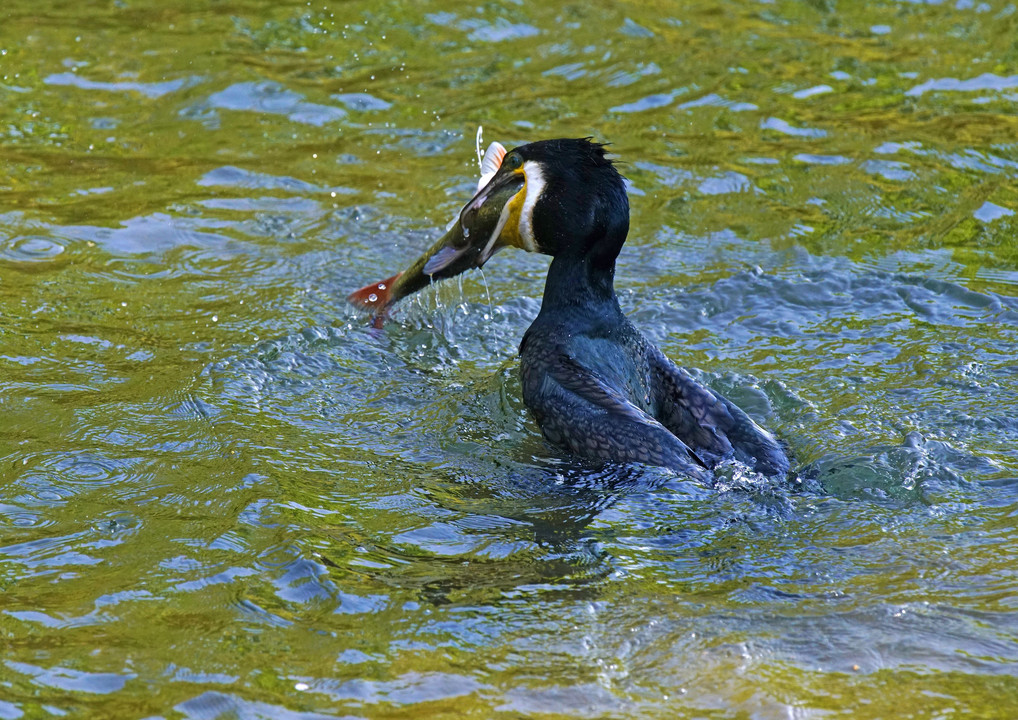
(579, 282)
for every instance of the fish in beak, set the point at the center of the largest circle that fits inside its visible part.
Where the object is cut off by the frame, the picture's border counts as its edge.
(487, 223)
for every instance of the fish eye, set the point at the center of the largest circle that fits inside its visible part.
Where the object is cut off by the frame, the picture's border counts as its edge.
(512, 161)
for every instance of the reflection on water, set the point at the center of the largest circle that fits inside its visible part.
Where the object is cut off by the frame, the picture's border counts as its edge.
(222, 494)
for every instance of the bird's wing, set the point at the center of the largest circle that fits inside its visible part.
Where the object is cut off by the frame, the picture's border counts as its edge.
(590, 385)
(709, 423)
(578, 408)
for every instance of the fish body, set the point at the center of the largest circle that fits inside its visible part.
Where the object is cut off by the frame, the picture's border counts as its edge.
(466, 244)
(381, 296)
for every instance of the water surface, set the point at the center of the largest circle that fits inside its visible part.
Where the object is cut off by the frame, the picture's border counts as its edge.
(223, 495)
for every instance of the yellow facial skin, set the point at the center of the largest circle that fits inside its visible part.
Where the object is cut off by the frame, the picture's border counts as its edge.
(511, 236)
(516, 225)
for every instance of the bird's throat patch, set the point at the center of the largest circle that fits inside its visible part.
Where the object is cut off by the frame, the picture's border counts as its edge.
(532, 190)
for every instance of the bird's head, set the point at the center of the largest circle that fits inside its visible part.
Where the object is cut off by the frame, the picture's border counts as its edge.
(553, 196)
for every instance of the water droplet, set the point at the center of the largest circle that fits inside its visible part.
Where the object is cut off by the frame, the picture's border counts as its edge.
(372, 298)
(381, 286)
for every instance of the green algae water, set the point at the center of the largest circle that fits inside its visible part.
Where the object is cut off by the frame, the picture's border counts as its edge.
(224, 495)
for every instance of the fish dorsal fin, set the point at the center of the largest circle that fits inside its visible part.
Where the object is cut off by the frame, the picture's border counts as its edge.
(490, 163)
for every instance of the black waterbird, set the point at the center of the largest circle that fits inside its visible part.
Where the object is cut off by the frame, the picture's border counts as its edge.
(594, 383)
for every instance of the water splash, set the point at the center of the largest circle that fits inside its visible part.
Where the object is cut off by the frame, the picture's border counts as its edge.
(487, 293)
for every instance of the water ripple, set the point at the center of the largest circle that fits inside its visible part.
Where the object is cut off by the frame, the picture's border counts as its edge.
(149, 90)
(274, 99)
(986, 81)
(208, 455)
(30, 249)
(72, 680)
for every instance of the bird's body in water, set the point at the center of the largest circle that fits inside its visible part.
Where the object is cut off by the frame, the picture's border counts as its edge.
(596, 386)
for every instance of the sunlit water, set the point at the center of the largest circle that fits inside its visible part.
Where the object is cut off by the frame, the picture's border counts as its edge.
(223, 495)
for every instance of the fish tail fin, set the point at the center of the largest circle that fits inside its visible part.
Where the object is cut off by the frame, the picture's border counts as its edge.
(376, 296)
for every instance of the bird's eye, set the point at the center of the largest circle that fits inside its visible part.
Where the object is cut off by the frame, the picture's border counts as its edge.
(512, 161)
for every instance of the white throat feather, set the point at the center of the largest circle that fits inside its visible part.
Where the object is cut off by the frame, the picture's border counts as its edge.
(535, 187)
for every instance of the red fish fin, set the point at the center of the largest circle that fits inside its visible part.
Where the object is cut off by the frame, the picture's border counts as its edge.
(375, 296)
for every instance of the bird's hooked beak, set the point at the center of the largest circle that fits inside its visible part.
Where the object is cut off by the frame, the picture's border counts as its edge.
(486, 224)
